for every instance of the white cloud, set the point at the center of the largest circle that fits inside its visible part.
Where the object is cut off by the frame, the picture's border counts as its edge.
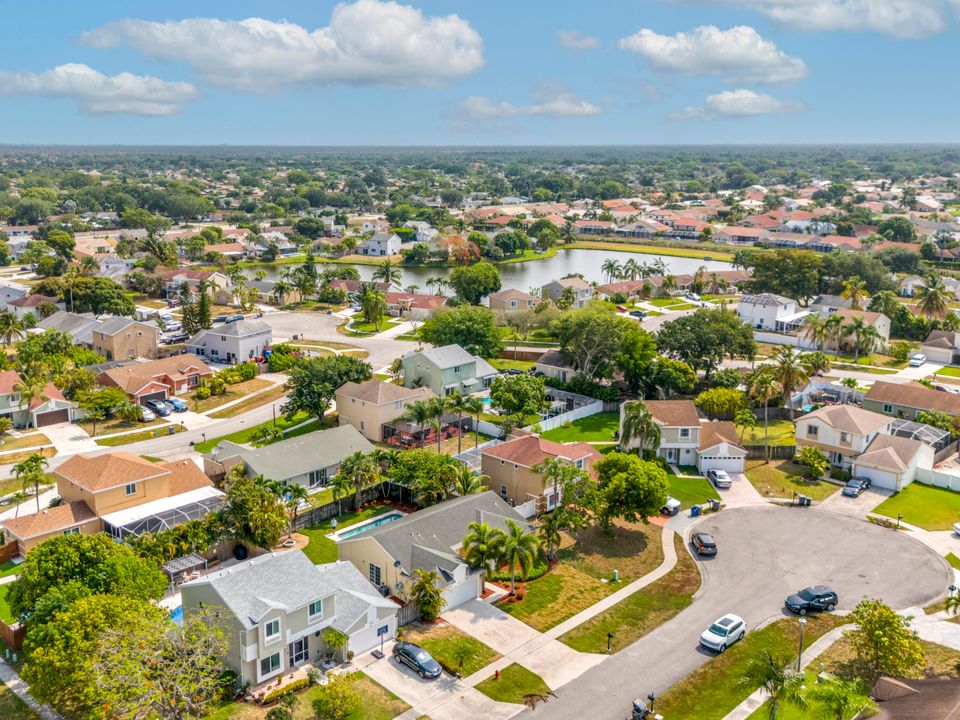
(548, 101)
(899, 18)
(738, 104)
(572, 40)
(366, 42)
(738, 55)
(96, 93)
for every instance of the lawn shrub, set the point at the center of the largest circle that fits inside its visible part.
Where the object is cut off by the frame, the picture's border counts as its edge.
(538, 569)
(293, 687)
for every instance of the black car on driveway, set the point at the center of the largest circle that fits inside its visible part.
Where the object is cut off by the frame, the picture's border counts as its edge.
(819, 597)
(856, 486)
(704, 544)
(417, 659)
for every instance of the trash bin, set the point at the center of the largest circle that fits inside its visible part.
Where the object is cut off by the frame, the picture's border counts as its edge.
(694, 511)
(715, 504)
(805, 501)
(171, 430)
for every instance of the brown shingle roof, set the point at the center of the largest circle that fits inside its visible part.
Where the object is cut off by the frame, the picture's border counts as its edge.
(714, 433)
(185, 476)
(890, 452)
(531, 450)
(103, 472)
(9, 379)
(849, 418)
(915, 395)
(674, 413)
(931, 699)
(381, 393)
(51, 520)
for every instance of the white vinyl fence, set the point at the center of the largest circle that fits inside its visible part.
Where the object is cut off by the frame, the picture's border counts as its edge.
(938, 479)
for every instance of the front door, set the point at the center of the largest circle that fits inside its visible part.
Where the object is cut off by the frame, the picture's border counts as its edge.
(299, 651)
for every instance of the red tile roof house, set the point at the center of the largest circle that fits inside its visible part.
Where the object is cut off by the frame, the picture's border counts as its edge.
(52, 409)
(157, 379)
(412, 306)
(29, 303)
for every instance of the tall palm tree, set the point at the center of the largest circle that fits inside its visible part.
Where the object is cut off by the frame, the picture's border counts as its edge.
(869, 339)
(745, 420)
(17, 499)
(373, 304)
(31, 472)
(340, 485)
(834, 332)
(520, 550)
(855, 291)
(389, 272)
(933, 298)
(854, 329)
(10, 327)
(815, 329)
(763, 387)
(630, 270)
(791, 372)
(438, 408)
(475, 407)
(466, 481)
(639, 423)
(555, 471)
(361, 472)
(782, 685)
(669, 283)
(611, 269)
(281, 290)
(426, 593)
(418, 412)
(482, 545)
(549, 532)
(460, 405)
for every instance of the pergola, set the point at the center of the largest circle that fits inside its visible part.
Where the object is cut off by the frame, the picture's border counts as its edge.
(184, 564)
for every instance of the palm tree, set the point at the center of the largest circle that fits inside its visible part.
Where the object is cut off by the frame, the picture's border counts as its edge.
(556, 471)
(10, 327)
(17, 498)
(295, 495)
(520, 550)
(437, 407)
(782, 685)
(549, 532)
(467, 482)
(129, 411)
(763, 387)
(340, 485)
(838, 698)
(630, 270)
(791, 372)
(460, 405)
(745, 420)
(280, 291)
(855, 291)
(482, 546)
(33, 390)
(389, 272)
(611, 269)
(418, 412)
(869, 339)
(475, 407)
(373, 304)
(639, 423)
(834, 332)
(933, 297)
(31, 472)
(854, 329)
(669, 283)
(361, 472)
(816, 330)
(425, 593)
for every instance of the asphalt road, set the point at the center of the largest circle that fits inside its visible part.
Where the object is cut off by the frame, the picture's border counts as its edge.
(765, 554)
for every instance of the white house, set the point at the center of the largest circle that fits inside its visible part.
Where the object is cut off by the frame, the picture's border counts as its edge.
(841, 432)
(891, 462)
(380, 244)
(763, 311)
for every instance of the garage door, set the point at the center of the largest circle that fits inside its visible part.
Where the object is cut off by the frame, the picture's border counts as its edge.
(461, 592)
(53, 417)
(152, 396)
(721, 462)
(880, 478)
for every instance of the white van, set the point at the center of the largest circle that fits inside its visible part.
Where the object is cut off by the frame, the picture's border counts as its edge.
(917, 360)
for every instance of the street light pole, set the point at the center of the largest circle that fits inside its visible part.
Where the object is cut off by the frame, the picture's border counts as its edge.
(274, 414)
(800, 652)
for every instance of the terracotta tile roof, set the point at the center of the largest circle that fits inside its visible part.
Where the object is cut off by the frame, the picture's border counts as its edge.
(531, 450)
(102, 472)
(674, 413)
(185, 476)
(914, 395)
(50, 520)
(510, 293)
(714, 433)
(9, 380)
(51, 392)
(226, 248)
(381, 393)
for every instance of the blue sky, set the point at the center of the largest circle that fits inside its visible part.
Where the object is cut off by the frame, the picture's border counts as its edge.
(492, 72)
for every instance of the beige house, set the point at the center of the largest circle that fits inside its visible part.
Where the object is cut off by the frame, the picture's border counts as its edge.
(841, 432)
(905, 400)
(28, 531)
(879, 321)
(277, 606)
(371, 404)
(891, 462)
(121, 338)
(509, 301)
(510, 468)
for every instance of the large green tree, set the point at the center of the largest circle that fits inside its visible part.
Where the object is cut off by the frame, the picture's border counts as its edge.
(474, 282)
(883, 640)
(629, 488)
(252, 512)
(705, 338)
(100, 296)
(314, 381)
(472, 328)
(794, 273)
(519, 395)
(592, 340)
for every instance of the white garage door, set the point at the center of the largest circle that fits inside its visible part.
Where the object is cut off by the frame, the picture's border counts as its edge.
(880, 478)
(721, 462)
(369, 637)
(461, 592)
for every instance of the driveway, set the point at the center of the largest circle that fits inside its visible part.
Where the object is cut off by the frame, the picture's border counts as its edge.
(741, 493)
(765, 554)
(858, 506)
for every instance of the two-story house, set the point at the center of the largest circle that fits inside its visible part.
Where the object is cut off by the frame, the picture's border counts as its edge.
(121, 338)
(510, 467)
(446, 370)
(234, 342)
(276, 607)
(157, 379)
(905, 400)
(380, 244)
(765, 310)
(878, 321)
(509, 301)
(581, 289)
(841, 432)
(369, 405)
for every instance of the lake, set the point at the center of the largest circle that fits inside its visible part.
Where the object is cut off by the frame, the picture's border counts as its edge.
(534, 273)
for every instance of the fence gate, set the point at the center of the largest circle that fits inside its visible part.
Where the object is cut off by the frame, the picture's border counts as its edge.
(407, 614)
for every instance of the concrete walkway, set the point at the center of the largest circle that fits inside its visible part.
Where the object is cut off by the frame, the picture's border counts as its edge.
(16, 684)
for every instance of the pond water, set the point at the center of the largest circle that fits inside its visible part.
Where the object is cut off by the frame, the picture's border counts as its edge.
(535, 273)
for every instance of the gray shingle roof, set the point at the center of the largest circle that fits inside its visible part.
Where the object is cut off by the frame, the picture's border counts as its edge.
(113, 325)
(447, 356)
(765, 299)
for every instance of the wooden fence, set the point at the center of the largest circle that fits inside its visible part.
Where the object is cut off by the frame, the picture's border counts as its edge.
(9, 551)
(12, 635)
(317, 515)
(777, 452)
(407, 614)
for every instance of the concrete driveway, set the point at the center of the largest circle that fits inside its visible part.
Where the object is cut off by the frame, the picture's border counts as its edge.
(765, 554)
(858, 506)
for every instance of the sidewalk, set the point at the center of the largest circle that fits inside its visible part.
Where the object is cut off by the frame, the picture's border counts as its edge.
(16, 684)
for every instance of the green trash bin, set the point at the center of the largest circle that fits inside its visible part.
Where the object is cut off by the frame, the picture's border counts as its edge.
(805, 501)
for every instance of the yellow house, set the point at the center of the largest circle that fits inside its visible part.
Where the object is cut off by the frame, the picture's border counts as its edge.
(369, 405)
(28, 531)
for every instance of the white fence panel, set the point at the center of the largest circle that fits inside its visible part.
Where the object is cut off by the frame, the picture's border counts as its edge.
(938, 479)
(528, 509)
(575, 414)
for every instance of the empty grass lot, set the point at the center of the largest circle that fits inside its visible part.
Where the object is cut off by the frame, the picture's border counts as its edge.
(138, 436)
(925, 506)
(646, 609)
(234, 392)
(953, 372)
(594, 428)
(781, 432)
(782, 478)
(690, 491)
(444, 641)
(321, 549)
(513, 685)
(254, 401)
(711, 691)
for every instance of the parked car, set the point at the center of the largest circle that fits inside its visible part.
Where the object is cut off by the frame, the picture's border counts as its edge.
(723, 633)
(177, 404)
(704, 544)
(638, 313)
(417, 659)
(719, 478)
(856, 486)
(671, 506)
(917, 360)
(693, 296)
(621, 308)
(173, 326)
(819, 597)
(234, 318)
(158, 407)
(170, 338)
(173, 302)
(220, 319)
(146, 414)
(956, 528)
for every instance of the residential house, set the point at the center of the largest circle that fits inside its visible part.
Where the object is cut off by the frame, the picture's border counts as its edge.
(429, 539)
(905, 400)
(380, 244)
(552, 365)
(582, 291)
(20, 307)
(413, 306)
(121, 338)
(891, 462)
(220, 286)
(78, 326)
(942, 346)
(309, 460)
(720, 448)
(509, 301)
(157, 379)
(841, 432)
(51, 409)
(234, 342)
(275, 608)
(878, 321)
(10, 292)
(510, 467)
(369, 405)
(424, 233)
(911, 699)
(630, 289)
(446, 370)
(740, 235)
(765, 311)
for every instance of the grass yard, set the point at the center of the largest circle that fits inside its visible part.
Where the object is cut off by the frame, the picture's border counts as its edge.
(444, 641)
(115, 425)
(690, 491)
(234, 392)
(507, 364)
(646, 609)
(953, 560)
(711, 691)
(321, 549)
(31, 440)
(5, 614)
(866, 369)
(137, 437)
(514, 684)
(14, 458)
(953, 372)
(243, 436)
(664, 301)
(781, 432)
(332, 345)
(255, 401)
(594, 428)
(667, 250)
(9, 568)
(575, 582)
(12, 707)
(925, 506)
(782, 478)
(12, 485)
(362, 329)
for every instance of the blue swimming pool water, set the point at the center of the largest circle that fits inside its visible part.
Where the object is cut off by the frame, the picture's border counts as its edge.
(177, 615)
(383, 520)
(487, 401)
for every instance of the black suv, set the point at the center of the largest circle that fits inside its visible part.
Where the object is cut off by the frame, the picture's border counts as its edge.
(704, 544)
(417, 659)
(812, 598)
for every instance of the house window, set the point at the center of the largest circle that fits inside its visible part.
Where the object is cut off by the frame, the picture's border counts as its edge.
(72, 531)
(684, 432)
(888, 408)
(271, 631)
(130, 489)
(362, 425)
(503, 490)
(456, 369)
(845, 437)
(811, 430)
(270, 664)
(316, 608)
(579, 464)
(318, 477)
(374, 574)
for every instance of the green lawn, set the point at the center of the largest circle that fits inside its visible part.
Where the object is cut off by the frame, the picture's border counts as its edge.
(513, 685)
(781, 432)
(117, 440)
(690, 491)
(444, 641)
(12, 707)
(861, 368)
(5, 613)
(712, 690)
(925, 506)
(783, 478)
(792, 712)
(321, 549)
(594, 428)
(949, 372)
(9, 568)
(953, 560)
(363, 328)
(506, 364)
(664, 301)
(646, 609)
(243, 436)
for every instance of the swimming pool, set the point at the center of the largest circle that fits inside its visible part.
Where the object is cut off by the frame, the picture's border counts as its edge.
(177, 615)
(487, 401)
(375, 523)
